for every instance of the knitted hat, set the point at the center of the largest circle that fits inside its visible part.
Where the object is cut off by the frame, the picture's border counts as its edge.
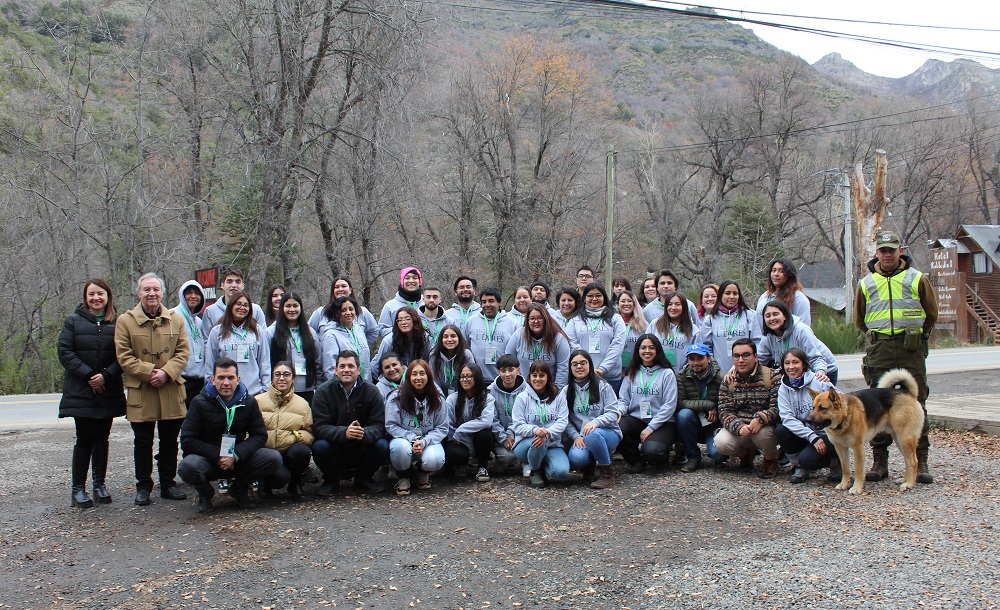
(406, 270)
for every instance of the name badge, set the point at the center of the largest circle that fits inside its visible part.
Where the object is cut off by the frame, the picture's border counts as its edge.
(646, 408)
(199, 357)
(227, 448)
(729, 346)
(703, 419)
(300, 367)
(491, 355)
(595, 344)
(242, 354)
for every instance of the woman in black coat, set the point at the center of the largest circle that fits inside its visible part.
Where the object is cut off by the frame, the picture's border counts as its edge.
(93, 393)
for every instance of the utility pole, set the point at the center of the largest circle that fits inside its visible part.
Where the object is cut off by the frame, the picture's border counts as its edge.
(844, 187)
(609, 228)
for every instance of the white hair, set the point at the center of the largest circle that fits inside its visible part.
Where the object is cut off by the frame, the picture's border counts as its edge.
(146, 276)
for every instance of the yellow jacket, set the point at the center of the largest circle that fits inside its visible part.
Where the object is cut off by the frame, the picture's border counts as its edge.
(288, 418)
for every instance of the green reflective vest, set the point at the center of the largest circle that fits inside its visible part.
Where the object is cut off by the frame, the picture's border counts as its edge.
(892, 304)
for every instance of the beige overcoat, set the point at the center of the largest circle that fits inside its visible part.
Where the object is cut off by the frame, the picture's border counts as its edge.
(145, 344)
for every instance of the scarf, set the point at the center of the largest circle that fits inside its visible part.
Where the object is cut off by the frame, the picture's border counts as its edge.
(727, 311)
(596, 312)
(796, 382)
(410, 295)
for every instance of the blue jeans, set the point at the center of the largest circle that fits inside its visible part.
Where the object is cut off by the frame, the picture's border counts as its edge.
(401, 456)
(691, 432)
(553, 458)
(601, 443)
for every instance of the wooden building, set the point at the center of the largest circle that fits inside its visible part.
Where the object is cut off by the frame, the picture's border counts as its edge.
(966, 275)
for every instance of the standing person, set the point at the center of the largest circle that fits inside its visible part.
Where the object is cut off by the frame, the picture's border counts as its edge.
(807, 449)
(730, 320)
(93, 393)
(895, 306)
(407, 339)
(584, 275)
(152, 349)
(417, 421)
(748, 411)
(635, 324)
(239, 337)
(471, 412)
(342, 287)
(447, 358)
(569, 301)
(666, 284)
(344, 332)
(273, 303)
(541, 339)
(522, 299)
(783, 331)
(407, 295)
(783, 285)
(600, 331)
(504, 390)
(289, 423)
(223, 438)
(349, 425)
(190, 304)
(698, 385)
(292, 340)
(465, 291)
(232, 284)
(539, 419)
(392, 374)
(646, 405)
(593, 420)
(648, 293)
(707, 300)
(675, 329)
(618, 286)
(540, 292)
(432, 315)
(488, 331)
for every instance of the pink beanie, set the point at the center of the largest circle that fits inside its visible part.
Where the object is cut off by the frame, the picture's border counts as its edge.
(406, 270)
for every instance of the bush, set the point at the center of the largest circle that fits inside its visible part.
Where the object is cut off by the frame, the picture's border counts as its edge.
(833, 329)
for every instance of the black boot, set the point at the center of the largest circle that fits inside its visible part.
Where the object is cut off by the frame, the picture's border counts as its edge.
(81, 462)
(99, 470)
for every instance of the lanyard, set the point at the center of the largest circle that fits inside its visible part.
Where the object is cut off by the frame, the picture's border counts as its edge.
(296, 339)
(465, 314)
(542, 411)
(596, 326)
(536, 349)
(236, 332)
(490, 331)
(583, 403)
(230, 414)
(508, 403)
(731, 328)
(417, 417)
(674, 331)
(644, 386)
(357, 349)
(449, 372)
(190, 322)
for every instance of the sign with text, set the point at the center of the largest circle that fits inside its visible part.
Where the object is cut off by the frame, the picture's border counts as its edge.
(209, 280)
(948, 285)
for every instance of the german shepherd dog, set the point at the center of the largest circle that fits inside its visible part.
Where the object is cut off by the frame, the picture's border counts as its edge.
(852, 420)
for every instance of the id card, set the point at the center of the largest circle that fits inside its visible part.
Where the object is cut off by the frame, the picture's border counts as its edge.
(729, 346)
(300, 367)
(595, 345)
(227, 448)
(646, 408)
(491, 355)
(703, 419)
(243, 354)
(199, 357)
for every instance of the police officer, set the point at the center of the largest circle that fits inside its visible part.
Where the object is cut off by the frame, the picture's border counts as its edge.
(896, 308)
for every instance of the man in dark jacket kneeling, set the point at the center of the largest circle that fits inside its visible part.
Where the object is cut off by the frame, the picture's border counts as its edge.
(223, 437)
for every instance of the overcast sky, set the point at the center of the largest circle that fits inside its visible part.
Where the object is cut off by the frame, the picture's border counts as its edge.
(878, 59)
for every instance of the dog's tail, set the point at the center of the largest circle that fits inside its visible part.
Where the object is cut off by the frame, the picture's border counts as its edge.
(899, 378)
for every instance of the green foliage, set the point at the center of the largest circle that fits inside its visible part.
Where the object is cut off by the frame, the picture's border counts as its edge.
(237, 214)
(623, 112)
(753, 239)
(73, 19)
(31, 365)
(833, 329)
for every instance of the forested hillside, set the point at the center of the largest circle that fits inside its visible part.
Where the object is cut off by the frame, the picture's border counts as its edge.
(301, 139)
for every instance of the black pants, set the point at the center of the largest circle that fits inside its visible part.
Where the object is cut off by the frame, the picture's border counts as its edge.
(166, 458)
(457, 454)
(809, 458)
(656, 448)
(336, 459)
(265, 464)
(294, 462)
(192, 387)
(91, 448)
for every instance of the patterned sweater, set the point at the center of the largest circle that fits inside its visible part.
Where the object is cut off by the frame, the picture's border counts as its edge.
(745, 398)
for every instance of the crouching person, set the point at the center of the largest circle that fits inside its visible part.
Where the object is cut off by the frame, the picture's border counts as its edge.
(289, 430)
(223, 437)
(698, 385)
(807, 449)
(417, 421)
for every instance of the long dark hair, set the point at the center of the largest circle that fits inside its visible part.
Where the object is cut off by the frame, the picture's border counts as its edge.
(663, 322)
(786, 293)
(550, 387)
(595, 382)
(283, 336)
(741, 306)
(109, 309)
(636, 363)
(250, 323)
(780, 306)
(327, 311)
(550, 330)
(801, 355)
(334, 310)
(269, 315)
(439, 355)
(609, 309)
(413, 345)
(478, 394)
(641, 297)
(408, 396)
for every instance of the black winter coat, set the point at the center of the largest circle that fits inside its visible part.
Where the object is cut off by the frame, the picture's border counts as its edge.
(205, 423)
(86, 348)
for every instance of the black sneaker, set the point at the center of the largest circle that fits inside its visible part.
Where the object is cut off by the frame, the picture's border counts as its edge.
(328, 489)
(205, 501)
(368, 484)
(242, 497)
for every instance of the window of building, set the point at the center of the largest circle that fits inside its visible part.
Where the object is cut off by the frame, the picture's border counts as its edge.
(981, 263)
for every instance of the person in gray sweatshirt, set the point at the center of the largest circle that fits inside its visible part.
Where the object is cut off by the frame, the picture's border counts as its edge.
(487, 332)
(466, 307)
(504, 390)
(409, 294)
(593, 431)
(647, 406)
(541, 339)
(600, 331)
(807, 449)
(539, 419)
(447, 358)
(392, 374)
(471, 411)
(342, 287)
(232, 284)
(782, 331)
(190, 304)
(417, 421)
(238, 336)
(342, 333)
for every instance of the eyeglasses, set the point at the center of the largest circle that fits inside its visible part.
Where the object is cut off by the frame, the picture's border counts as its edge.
(744, 356)
(465, 378)
(241, 306)
(283, 375)
(578, 364)
(594, 296)
(585, 276)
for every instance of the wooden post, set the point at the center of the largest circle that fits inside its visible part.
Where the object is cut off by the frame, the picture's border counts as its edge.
(609, 227)
(869, 205)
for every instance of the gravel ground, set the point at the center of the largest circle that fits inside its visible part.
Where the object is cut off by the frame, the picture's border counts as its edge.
(717, 538)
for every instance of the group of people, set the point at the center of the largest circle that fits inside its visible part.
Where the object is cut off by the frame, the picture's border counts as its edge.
(253, 394)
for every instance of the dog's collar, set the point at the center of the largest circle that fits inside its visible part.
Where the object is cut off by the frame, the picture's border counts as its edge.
(838, 427)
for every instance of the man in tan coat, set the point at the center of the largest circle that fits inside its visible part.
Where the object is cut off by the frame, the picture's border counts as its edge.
(152, 348)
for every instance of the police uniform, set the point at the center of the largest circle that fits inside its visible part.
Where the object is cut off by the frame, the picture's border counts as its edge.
(896, 309)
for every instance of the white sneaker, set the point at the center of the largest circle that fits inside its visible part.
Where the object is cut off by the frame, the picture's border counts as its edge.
(223, 486)
(525, 470)
(483, 475)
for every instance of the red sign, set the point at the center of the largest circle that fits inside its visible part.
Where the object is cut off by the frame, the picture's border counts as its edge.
(209, 280)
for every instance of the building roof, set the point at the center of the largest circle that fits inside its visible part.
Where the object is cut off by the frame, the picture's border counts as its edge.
(835, 298)
(934, 244)
(986, 237)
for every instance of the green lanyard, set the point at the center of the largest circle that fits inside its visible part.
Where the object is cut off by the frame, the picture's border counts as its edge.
(536, 350)
(644, 386)
(465, 314)
(357, 349)
(731, 328)
(449, 373)
(595, 327)
(190, 322)
(583, 403)
(704, 392)
(674, 331)
(230, 414)
(508, 403)
(416, 419)
(236, 332)
(296, 339)
(490, 331)
(543, 412)
(784, 343)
